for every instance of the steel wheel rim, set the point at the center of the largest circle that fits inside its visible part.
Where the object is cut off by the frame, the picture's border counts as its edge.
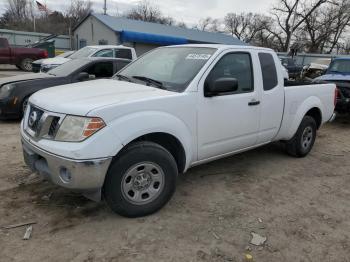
(306, 138)
(28, 65)
(142, 183)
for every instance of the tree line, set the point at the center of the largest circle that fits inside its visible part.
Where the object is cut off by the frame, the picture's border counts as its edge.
(314, 26)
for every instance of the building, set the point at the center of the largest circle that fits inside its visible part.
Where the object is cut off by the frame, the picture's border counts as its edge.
(99, 29)
(21, 39)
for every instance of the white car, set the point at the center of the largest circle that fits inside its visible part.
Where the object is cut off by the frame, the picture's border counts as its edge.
(126, 139)
(116, 51)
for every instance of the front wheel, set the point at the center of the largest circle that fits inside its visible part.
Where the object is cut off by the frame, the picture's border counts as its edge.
(141, 180)
(302, 142)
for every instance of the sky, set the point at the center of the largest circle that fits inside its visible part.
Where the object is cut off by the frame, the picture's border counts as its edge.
(188, 11)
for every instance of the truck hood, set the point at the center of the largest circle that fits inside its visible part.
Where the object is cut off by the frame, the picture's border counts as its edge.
(81, 98)
(55, 61)
(333, 77)
(23, 77)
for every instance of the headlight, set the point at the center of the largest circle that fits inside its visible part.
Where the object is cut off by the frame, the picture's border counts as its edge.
(78, 128)
(5, 90)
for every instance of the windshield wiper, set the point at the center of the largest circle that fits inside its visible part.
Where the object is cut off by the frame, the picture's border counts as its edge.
(123, 77)
(150, 81)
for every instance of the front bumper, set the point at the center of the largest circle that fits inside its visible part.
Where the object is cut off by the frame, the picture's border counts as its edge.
(9, 109)
(86, 176)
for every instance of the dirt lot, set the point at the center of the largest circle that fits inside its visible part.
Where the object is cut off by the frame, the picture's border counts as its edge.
(300, 205)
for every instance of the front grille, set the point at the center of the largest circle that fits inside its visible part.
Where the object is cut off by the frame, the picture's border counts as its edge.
(54, 127)
(34, 117)
(345, 91)
(42, 124)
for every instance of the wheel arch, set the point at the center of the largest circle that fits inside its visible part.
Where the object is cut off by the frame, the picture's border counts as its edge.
(169, 142)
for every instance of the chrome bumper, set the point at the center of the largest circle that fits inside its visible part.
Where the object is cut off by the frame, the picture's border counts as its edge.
(86, 176)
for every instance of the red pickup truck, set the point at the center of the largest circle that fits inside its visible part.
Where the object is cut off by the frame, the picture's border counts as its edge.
(22, 57)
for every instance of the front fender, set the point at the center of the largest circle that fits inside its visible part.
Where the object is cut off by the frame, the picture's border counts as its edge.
(135, 125)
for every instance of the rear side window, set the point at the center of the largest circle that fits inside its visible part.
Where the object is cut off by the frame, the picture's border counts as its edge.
(123, 53)
(104, 53)
(121, 64)
(269, 72)
(100, 70)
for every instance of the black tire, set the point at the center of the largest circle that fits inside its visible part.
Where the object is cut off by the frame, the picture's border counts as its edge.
(134, 156)
(26, 64)
(24, 105)
(302, 142)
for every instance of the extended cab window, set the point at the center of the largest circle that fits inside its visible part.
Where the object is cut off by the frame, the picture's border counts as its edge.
(100, 70)
(123, 53)
(104, 53)
(269, 72)
(235, 65)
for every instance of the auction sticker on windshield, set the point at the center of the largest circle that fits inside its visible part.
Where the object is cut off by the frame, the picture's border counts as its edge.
(198, 56)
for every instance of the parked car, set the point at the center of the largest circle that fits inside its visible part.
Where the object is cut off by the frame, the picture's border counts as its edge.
(15, 91)
(21, 57)
(36, 65)
(127, 138)
(293, 69)
(338, 72)
(116, 51)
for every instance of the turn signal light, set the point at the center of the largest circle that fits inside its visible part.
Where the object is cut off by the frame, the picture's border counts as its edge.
(93, 126)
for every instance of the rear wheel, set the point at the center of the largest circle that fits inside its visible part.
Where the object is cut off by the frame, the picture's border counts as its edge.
(26, 64)
(141, 180)
(302, 142)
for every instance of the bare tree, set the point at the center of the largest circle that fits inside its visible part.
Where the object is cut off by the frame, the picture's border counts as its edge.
(77, 10)
(340, 10)
(147, 12)
(245, 26)
(288, 18)
(209, 24)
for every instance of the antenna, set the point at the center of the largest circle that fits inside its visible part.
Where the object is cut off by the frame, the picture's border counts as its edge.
(105, 7)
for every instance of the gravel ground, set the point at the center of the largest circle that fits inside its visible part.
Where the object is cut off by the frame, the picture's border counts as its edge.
(300, 205)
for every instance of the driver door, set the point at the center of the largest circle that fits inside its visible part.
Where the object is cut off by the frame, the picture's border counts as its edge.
(228, 122)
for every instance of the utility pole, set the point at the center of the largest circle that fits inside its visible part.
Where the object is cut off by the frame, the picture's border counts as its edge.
(105, 7)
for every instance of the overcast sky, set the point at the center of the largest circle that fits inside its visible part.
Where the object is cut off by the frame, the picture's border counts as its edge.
(188, 11)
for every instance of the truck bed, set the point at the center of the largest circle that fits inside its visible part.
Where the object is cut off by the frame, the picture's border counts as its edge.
(298, 101)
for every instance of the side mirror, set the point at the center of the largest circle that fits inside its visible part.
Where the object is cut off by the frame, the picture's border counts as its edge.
(220, 86)
(83, 76)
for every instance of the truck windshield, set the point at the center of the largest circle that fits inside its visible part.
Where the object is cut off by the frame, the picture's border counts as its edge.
(84, 52)
(339, 66)
(170, 68)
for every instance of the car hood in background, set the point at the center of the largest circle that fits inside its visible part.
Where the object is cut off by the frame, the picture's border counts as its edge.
(333, 77)
(55, 61)
(23, 77)
(81, 98)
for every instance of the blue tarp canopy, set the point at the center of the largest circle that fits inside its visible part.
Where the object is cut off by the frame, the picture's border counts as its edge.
(131, 36)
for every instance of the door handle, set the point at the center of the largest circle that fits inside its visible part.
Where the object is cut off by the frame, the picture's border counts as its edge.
(253, 103)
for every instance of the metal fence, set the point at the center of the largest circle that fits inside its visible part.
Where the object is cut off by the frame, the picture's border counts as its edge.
(21, 38)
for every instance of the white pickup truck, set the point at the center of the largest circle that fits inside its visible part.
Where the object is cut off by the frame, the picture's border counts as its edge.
(126, 139)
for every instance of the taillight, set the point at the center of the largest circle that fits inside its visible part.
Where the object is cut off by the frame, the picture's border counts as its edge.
(336, 95)
(46, 54)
